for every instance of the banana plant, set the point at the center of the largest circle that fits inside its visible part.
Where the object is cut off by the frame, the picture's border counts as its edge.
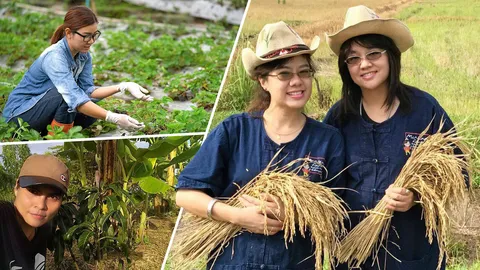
(146, 166)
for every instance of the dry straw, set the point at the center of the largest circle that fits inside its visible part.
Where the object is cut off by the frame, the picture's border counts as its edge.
(436, 173)
(308, 207)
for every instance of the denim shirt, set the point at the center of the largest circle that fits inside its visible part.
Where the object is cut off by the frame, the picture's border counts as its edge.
(378, 152)
(55, 68)
(236, 151)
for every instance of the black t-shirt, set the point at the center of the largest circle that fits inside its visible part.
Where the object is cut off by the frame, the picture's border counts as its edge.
(17, 252)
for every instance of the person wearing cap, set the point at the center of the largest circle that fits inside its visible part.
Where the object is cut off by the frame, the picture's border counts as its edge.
(58, 87)
(243, 145)
(380, 118)
(25, 229)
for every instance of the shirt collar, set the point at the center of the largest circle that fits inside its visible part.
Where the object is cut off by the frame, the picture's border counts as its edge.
(81, 56)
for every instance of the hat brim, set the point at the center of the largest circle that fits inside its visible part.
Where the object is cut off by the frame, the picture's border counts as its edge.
(251, 60)
(27, 181)
(392, 28)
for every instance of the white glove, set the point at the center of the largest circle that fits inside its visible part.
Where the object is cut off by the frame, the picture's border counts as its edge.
(136, 90)
(123, 121)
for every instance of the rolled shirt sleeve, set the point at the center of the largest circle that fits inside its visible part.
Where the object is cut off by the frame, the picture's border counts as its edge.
(57, 69)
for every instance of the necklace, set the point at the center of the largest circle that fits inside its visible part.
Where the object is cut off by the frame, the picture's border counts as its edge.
(278, 136)
(389, 111)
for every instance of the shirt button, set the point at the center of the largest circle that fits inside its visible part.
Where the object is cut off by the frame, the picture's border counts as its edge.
(374, 190)
(262, 266)
(375, 160)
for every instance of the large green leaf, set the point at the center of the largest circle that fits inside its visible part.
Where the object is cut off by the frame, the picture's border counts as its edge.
(112, 203)
(83, 239)
(142, 169)
(90, 146)
(130, 149)
(140, 154)
(59, 247)
(153, 185)
(68, 236)
(164, 147)
(185, 155)
(92, 200)
(104, 218)
(121, 148)
(119, 191)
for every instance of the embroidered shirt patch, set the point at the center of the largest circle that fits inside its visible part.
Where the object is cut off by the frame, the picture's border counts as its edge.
(410, 141)
(316, 166)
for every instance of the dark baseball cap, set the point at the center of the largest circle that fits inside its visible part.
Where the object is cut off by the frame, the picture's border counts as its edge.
(44, 170)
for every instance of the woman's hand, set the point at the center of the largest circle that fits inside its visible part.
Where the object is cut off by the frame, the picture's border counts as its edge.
(136, 90)
(252, 219)
(399, 199)
(123, 121)
(273, 205)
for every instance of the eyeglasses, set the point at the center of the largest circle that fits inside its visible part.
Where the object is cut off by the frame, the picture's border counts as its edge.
(89, 37)
(287, 75)
(371, 56)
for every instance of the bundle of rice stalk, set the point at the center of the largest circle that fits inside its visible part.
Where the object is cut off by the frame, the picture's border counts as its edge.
(436, 172)
(308, 207)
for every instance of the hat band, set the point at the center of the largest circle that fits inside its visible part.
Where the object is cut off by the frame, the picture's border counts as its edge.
(287, 50)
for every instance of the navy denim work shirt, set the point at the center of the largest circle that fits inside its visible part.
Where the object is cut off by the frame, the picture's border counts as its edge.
(380, 151)
(236, 151)
(54, 68)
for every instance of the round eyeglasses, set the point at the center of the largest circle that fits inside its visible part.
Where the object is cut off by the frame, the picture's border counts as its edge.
(371, 56)
(89, 37)
(287, 75)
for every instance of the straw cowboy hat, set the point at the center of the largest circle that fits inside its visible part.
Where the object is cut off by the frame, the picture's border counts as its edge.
(361, 20)
(276, 41)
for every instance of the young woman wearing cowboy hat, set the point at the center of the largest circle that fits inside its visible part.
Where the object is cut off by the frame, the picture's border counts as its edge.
(380, 117)
(58, 87)
(243, 145)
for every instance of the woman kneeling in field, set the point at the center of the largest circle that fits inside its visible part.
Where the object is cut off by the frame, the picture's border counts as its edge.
(58, 87)
(381, 119)
(243, 145)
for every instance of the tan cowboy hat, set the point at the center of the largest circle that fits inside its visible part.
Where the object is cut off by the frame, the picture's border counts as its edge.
(361, 20)
(276, 41)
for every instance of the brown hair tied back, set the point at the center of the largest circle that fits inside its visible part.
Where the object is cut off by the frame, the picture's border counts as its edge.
(76, 18)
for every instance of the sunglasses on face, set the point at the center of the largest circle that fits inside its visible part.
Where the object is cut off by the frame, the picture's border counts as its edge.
(370, 56)
(89, 37)
(287, 75)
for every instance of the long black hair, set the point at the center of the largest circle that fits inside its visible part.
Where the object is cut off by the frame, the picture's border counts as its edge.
(351, 92)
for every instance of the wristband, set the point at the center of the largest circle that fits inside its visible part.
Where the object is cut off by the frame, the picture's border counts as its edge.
(210, 207)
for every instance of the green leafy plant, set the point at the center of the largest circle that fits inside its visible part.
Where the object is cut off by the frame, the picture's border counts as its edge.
(104, 222)
(58, 134)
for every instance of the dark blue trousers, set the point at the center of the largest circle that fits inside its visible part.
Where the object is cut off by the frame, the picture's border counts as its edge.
(49, 107)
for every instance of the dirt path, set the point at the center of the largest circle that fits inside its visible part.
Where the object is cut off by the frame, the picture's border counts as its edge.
(150, 256)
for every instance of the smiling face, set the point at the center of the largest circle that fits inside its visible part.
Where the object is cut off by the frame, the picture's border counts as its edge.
(369, 75)
(292, 93)
(75, 39)
(37, 204)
